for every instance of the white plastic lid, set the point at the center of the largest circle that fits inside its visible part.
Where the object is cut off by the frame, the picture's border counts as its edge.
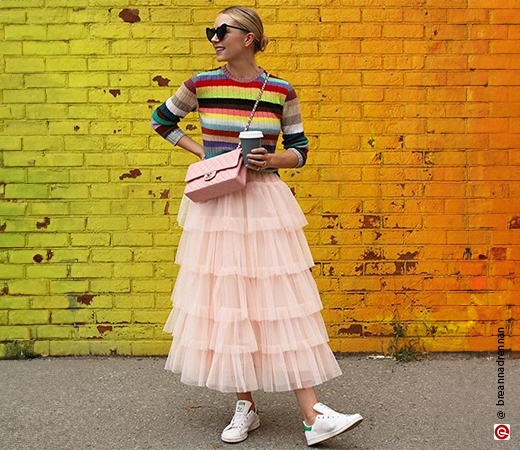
(251, 135)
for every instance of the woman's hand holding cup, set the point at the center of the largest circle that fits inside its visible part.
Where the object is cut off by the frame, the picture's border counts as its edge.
(258, 159)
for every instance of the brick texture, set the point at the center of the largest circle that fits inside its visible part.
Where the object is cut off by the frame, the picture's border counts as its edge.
(412, 187)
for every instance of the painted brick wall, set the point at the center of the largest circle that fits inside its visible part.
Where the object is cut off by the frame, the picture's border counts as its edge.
(412, 187)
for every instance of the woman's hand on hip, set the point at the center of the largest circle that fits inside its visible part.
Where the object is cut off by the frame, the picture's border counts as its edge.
(259, 158)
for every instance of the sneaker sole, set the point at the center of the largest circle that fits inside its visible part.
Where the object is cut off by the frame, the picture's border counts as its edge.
(253, 426)
(324, 437)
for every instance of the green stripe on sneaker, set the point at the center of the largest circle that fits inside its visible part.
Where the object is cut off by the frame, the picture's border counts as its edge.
(306, 427)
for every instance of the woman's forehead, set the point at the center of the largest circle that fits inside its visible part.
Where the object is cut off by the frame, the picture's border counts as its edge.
(223, 18)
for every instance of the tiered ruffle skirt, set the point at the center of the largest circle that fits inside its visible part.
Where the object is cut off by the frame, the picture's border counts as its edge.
(246, 309)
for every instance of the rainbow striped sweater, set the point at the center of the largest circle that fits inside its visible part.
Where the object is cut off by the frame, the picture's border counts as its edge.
(224, 104)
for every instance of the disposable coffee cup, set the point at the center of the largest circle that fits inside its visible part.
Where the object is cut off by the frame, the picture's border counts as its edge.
(250, 140)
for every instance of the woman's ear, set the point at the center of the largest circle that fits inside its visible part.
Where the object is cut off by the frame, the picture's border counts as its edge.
(250, 39)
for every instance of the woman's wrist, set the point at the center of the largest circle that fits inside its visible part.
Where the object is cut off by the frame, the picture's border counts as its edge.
(283, 160)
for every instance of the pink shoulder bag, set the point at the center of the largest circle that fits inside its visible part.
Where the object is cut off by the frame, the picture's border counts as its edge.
(222, 174)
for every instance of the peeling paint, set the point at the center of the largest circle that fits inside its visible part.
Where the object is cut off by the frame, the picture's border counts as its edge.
(370, 222)
(115, 92)
(355, 328)
(130, 15)
(134, 173)
(371, 255)
(85, 299)
(46, 221)
(104, 328)
(165, 193)
(191, 127)
(499, 253)
(161, 81)
(408, 255)
(333, 240)
(514, 223)
(38, 258)
(3, 227)
(167, 208)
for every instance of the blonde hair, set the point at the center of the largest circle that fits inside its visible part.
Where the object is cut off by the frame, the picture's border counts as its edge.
(250, 20)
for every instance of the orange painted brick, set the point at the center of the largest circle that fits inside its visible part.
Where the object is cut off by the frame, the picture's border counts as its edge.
(385, 46)
(467, 16)
(446, 32)
(467, 110)
(446, 62)
(467, 47)
(404, 31)
(487, 94)
(423, 15)
(492, 62)
(428, 47)
(487, 125)
(504, 46)
(360, 30)
(386, 15)
(446, 94)
(477, 78)
(488, 32)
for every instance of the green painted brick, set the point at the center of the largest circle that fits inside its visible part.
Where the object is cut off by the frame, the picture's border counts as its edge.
(47, 15)
(83, 143)
(51, 175)
(27, 287)
(89, 47)
(11, 271)
(3, 317)
(109, 191)
(91, 270)
(68, 286)
(12, 176)
(70, 255)
(110, 316)
(12, 208)
(12, 240)
(72, 316)
(68, 348)
(105, 159)
(54, 332)
(132, 332)
(41, 348)
(16, 128)
(153, 254)
(148, 223)
(47, 271)
(48, 240)
(15, 302)
(100, 285)
(106, 223)
(24, 65)
(28, 317)
(134, 208)
(12, 16)
(89, 239)
(22, 3)
(10, 332)
(10, 48)
(67, 31)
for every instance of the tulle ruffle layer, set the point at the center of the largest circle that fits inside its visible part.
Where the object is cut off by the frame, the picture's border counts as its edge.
(246, 309)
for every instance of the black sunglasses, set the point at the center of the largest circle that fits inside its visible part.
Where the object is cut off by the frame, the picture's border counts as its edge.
(221, 31)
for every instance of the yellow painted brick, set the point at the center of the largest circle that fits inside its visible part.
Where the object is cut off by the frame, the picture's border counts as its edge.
(88, 79)
(151, 348)
(147, 31)
(109, 31)
(46, 111)
(68, 348)
(47, 271)
(18, 332)
(24, 65)
(89, 175)
(148, 223)
(91, 270)
(10, 48)
(24, 96)
(135, 301)
(45, 48)
(49, 208)
(28, 317)
(110, 316)
(106, 223)
(71, 191)
(74, 32)
(25, 32)
(88, 47)
(105, 159)
(68, 286)
(70, 127)
(48, 240)
(300, 15)
(10, 271)
(54, 332)
(89, 239)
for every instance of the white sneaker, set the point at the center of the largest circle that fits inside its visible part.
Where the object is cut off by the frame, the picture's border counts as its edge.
(242, 422)
(329, 423)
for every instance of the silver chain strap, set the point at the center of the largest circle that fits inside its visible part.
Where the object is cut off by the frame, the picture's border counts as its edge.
(257, 101)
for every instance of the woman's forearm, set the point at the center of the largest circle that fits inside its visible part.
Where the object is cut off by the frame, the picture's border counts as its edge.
(283, 160)
(189, 144)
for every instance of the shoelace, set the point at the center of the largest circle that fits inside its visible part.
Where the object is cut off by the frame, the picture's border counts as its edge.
(238, 421)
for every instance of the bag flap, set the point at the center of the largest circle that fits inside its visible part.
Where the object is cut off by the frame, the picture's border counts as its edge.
(225, 161)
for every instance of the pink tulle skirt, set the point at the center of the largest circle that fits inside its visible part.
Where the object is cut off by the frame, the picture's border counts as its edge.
(246, 309)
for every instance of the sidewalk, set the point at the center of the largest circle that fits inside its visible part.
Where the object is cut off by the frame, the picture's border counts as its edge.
(100, 403)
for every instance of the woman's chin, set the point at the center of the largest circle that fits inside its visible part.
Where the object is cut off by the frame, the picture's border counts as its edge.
(220, 57)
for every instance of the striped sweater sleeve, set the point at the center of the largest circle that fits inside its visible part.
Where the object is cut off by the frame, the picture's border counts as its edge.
(292, 128)
(166, 117)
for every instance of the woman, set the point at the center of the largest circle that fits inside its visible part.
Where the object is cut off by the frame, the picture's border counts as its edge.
(246, 312)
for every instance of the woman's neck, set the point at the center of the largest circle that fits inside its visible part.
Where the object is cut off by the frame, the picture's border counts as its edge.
(245, 69)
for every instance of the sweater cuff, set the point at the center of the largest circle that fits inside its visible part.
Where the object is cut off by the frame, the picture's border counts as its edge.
(175, 136)
(301, 161)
